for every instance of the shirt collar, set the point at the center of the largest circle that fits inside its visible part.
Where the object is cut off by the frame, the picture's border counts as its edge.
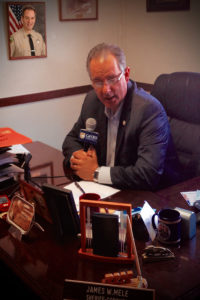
(25, 34)
(109, 114)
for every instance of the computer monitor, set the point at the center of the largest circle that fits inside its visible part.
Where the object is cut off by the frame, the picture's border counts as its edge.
(62, 208)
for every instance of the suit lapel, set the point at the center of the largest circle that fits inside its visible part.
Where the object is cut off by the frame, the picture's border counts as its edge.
(124, 119)
(102, 141)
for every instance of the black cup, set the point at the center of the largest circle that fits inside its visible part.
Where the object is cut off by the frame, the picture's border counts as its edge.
(169, 226)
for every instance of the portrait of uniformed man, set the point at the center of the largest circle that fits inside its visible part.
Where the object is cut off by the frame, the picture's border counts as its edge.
(26, 41)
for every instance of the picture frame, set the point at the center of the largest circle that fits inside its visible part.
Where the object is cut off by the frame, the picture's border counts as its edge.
(20, 215)
(167, 5)
(18, 27)
(76, 10)
(35, 196)
(62, 209)
(43, 173)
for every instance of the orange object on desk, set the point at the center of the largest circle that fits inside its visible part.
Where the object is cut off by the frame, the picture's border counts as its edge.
(9, 137)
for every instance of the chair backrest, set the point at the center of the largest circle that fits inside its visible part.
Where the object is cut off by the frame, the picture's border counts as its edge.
(179, 93)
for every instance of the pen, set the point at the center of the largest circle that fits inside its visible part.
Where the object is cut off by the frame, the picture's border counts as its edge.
(79, 187)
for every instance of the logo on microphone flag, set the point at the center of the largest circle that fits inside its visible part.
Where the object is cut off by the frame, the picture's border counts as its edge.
(89, 137)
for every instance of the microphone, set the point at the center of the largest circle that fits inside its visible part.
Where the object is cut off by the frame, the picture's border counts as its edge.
(88, 136)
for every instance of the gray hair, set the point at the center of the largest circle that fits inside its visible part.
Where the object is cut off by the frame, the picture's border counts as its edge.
(104, 49)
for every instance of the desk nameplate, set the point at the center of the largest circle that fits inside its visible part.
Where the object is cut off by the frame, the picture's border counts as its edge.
(74, 290)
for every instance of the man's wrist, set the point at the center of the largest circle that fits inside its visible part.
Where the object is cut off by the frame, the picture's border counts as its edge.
(96, 175)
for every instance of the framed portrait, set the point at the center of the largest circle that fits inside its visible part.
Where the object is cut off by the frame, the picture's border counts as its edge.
(26, 30)
(75, 10)
(35, 196)
(167, 5)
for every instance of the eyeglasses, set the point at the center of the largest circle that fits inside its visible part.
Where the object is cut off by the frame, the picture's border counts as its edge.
(110, 81)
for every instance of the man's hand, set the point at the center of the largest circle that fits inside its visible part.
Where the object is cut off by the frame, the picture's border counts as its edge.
(84, 163)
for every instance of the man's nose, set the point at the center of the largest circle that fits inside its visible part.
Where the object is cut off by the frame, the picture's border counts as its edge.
(106, 87)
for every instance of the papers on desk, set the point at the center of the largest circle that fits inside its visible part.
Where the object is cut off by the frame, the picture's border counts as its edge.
(8, 153)
(9, 163)
(90, 187)
(18, 149)
(7, 158)
(191, 197)
(147, 213)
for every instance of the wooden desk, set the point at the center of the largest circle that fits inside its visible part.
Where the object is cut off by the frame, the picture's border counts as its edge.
(43, 262)
(48, 161)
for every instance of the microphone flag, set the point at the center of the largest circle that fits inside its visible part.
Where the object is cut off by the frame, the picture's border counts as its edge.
(88, 136)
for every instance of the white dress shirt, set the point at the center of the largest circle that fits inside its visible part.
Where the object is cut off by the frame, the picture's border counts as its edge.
(113, 124)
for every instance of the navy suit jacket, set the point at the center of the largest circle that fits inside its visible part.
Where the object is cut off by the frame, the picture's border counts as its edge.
(145, 157)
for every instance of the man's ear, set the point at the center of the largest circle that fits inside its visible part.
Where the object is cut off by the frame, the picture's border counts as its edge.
(127, 73)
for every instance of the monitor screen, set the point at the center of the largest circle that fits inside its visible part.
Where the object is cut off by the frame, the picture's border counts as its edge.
(62, 209)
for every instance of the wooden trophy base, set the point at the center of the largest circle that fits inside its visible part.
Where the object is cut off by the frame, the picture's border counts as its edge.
(122, 258)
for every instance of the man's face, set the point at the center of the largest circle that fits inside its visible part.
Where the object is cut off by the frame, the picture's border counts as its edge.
(28, 20)
(113, 87)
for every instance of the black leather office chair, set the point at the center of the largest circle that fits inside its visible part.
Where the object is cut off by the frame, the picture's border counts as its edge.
(179, 93)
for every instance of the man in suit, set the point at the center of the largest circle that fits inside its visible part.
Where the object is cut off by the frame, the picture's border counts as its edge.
(134, 149)
(26, 41)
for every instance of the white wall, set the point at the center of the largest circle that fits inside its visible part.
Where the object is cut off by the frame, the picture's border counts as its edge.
(161, 42)
(67, 46)
(155, 43)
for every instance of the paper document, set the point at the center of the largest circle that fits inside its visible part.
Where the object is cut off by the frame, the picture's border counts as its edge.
(147, 213)
(90, 187)
(191, 196)
(7, 158)
(18, 149)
